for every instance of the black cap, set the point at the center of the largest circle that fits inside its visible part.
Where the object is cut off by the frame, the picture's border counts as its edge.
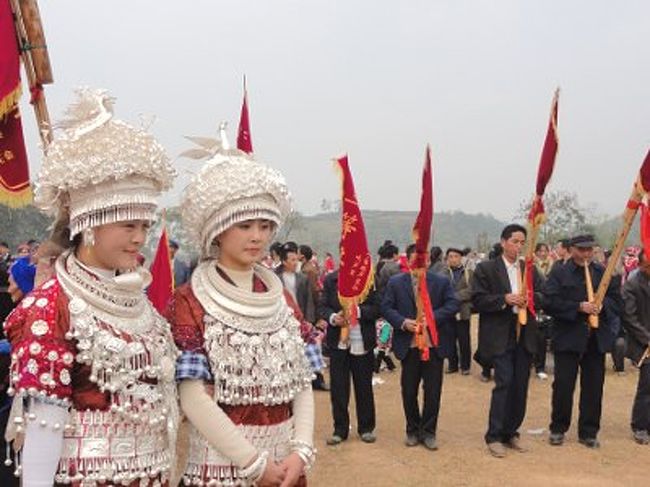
(173, 244)
(583, 241)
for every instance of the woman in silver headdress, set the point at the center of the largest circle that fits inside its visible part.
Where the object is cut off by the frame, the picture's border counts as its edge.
(245, 383)
(92, 361)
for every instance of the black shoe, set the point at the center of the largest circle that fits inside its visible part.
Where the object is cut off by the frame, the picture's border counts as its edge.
(430, 443)
(641, 437)
(411, 440)
(318, 384)
(451, 370)
(464, 372)
(556, 439)
(368, 437)
(335, 440)
(589, 442)
(484, 378)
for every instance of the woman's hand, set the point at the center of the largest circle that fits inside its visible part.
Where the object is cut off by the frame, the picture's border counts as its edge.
(293, 468)
(273, 475)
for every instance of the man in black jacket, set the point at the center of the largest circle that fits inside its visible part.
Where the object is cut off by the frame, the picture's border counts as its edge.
(398, 306)
(497, 297)
(636, 320)
(576, 344)
(354, 358)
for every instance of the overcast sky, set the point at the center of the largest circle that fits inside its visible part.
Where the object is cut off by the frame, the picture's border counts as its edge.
(379, 80)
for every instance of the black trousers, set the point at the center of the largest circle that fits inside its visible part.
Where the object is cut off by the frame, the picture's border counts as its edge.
(414, 371)
(460, 345)
(592, 378)
(618, 354)
(510, 393)
(641, 408)
(343, 366)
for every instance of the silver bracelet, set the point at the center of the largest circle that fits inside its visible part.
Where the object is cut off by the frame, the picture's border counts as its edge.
(305, 451)
(255, 470)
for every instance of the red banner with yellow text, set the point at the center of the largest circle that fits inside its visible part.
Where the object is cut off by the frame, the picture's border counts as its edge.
(355, 267)
(14, 170)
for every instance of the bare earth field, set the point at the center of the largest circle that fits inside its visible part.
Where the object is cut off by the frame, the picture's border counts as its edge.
(462, 458)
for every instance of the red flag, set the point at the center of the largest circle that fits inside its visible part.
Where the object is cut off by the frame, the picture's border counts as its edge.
(536, 216)
(422, 227)
(355, 268)
(162, 285)
(14, 170)
(421, 235)
(429, 317)
(546, 163)
(645, 229)
(244, 141)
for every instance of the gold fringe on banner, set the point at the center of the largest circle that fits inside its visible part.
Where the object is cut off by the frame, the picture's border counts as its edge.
(9, 102)
(16, 199)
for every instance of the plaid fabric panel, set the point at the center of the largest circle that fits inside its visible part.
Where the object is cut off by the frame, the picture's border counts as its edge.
(315, 357)
(193, 365)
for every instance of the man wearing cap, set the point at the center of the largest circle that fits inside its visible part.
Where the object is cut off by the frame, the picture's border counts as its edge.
(459, 277)
(181, 269)
(576, 343)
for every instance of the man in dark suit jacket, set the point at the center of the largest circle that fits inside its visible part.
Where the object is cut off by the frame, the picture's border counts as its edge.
(636, 320)
(354, 358)
(496, 298)
(575, 344)
(399, 308)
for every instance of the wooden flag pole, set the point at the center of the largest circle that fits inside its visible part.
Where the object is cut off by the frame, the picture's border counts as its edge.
(591, 319)
(33, 52)
(628, 219)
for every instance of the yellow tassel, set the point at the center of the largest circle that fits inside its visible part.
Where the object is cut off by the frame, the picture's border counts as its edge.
(17, 199)
(9, 102)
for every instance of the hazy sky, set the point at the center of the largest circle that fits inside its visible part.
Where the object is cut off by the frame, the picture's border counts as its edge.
(379, 80)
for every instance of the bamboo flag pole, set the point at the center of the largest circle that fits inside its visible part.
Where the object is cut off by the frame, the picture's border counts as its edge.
(537, 216)
(591, 319)
(640, 188)
(33, 52)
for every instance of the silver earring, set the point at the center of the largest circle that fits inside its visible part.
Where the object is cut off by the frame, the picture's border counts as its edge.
(88, 237)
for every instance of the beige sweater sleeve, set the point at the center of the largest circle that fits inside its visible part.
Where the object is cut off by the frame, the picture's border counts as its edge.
(303, 413)
(213, 423)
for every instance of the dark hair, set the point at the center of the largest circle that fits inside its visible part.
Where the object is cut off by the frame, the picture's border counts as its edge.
(288, 248)
(467, 250)
(641, 256)
(410, 250)
(388, 251)
(275, 247)
(508, 230)
(454, 249)
(435, 254)
(497, 250)
(564, 243)
(539, 246)
(4, 244)
(306, 251)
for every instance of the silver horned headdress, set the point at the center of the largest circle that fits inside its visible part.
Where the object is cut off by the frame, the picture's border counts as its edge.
(230, 188)
(101, 170)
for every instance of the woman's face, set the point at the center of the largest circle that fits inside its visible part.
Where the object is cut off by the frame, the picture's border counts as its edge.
(243, 244)
(116, 246)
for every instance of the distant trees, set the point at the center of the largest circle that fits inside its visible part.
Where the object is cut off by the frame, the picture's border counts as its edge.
(18, 225)
(564, 216)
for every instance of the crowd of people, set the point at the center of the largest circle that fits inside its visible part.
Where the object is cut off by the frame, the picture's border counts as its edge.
(94, 379)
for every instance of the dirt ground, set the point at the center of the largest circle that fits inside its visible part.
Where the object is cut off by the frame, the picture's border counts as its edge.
(462, 459)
